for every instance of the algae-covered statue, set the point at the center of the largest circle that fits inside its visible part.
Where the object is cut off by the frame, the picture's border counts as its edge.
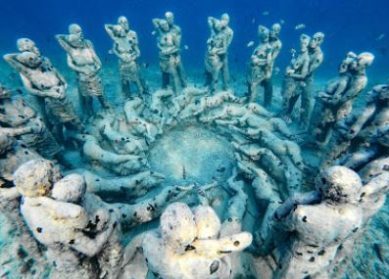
(295, 76)
(126, 48)
(82, 58)
(216, 60)
(188, 244)
(169, 45)
(260, 65)
(41, 79)
(17, 115)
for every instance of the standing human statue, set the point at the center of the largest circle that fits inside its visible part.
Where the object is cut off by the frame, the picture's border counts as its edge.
(126, 48)
(41, 79)
(260, 63)
(228, 36)
(216, 59)
(316, 58)
(82, 59)
(295, 78)
(176, 30)
(276, 45)
(169, 40)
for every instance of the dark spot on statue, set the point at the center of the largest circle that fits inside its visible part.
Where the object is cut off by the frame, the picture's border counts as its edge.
(230, 219)
(114, 225)
(304, 219)
(135, 214)
(299, 253)
(310, 252)
(355, 230)
(190, 248)
(363, 194)
(312, 259)
(225, 252)
(321, 252)
(236, 243)
(97, 179)
(23, 145)
(27, 266)
(124, 215)
(110, 210)
(39, 229)
(71, 242)
(214, 267)
(97, 219)
(26, 152)
(21, 252)
(307, 277)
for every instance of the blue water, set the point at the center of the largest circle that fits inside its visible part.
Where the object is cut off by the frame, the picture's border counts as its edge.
(348, 25)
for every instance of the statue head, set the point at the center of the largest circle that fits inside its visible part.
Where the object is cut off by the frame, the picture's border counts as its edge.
(225, 20)
(207, 222)
(36, 178)
(71, 188)
(30, 59)
(304, 42)
(345, 65)
(123, 22)
(177, 226)
(317, 40)
(169, 16)
(382, 90)
(275, 31)
(263, 33)
(164, 25)
(339, 185)
(119, 31)
(76, 36)
(26, 44)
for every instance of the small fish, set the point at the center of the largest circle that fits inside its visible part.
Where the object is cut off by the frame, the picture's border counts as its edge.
(186, 47)
(299, 26)
(266, 13)
(282, 21)
(110, 51)
(277, 70)
(253, 20)
(250, 44)
(153, 33)
(145, 65)
(380, 37)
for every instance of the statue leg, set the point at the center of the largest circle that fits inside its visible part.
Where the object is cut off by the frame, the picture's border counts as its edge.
(268, 90)
(288, 92)
(181, 74)
(252, 90)
(225, 73)
(306, 103)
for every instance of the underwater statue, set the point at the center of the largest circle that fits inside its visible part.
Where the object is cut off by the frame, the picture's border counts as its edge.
(323, 222)
(190, 244)
(82, 59)
(126, 48)
(216, 60)
(12, 154)
(23, 120)
(262, 63)
(295, 76)
(327, 111)
(169, 45)
(316, 58)
(365, 136)
(41, 79)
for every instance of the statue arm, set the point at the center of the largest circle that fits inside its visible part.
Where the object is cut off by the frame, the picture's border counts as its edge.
(285, 210)
(362, 119)
(96, 58)
(12, 60)
(91, 247)
(108, 28)
(14, 132)
(61, 39)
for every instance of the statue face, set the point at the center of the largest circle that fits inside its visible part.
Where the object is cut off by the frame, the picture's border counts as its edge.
(169, 16)
(304, 43)
(164, 25)
(123, 22)
(316, 40)
(30, 59)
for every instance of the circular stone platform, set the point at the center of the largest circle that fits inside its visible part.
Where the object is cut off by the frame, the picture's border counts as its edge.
(192, 154)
